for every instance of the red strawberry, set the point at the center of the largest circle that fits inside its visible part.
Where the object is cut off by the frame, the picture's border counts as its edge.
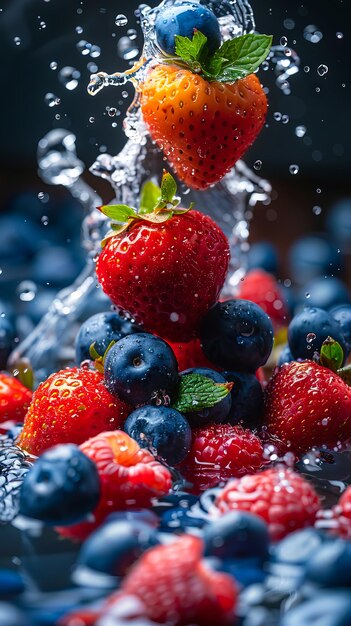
(166, 275)
(190, 354)
(308, 405)
(14, 399)
(130, 476)
(69, 407)
(342, 515)
(284, 499)
(176, 587)
(202, 127)
(220, 452)
(263, 289)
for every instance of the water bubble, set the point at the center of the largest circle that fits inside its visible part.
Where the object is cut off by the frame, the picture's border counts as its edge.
(289, 23)
(121, 20)
(287, 282)
(91, 120)
(306, 69)
(322, 69)
(339, 35)
(317, 210)
(43, 197)
(293, 169)
(51, 100)
(265, 66)
(127, 49)
(17, 41)
(318, 190)
(95, 51)
(300, 131)
(258, 164)
(283, 41)
(318, 89)
(277, 116)
(307, 294)
(92, 67)
(310, 337)
(312, 34)
(44, 220)
(79, 30)
(57, 116)
(285, 119)
(69, 77)
(42, 25)
(124, 94)
(111, 111)
(53, 65)
(132, 33)
(83, 47)
(27, 290)
(288, 52)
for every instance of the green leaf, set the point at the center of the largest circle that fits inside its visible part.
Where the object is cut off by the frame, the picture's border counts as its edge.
(245, 53)
(331, 354)
(149, 197)
(168, 188)
(190, 49)
(345, 374)
(118, 212)
(197, 392)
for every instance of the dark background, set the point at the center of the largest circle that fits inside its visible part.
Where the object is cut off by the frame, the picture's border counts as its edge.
(321, 104)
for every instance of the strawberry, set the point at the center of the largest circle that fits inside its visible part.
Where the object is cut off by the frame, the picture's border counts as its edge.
(205, 110)
(220, 452)
(14, 399)
(167, 270)
(130, 476)
(263, 289)
(176, 586)
(308, 405)
(190, 354)
(284, 499)
(69, 407)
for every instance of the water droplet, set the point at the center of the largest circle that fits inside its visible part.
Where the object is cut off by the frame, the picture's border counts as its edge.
(95, 52)
(265, 66)
(121, 20)
(51, 100)
(53, 65)
(307, 294)
(312, 34)
(79, 30)
(112, 111)
(339, 35)
(300, 131)
(306, 68)
(283, 41)
(277, 116)
(17, 41)
(91, 120)
(69, 77)
(322, 69)
(285, 119)
(44, 220)
(124, 94)
(258, 164)
(92, 67)
(318, 89)
(132, 33)
(27, 290)
(42, 25)
(83, 47)
(293, 169)
(127, 49)
(318, 190)
(43, 197)
(317, 210)
(288, 52)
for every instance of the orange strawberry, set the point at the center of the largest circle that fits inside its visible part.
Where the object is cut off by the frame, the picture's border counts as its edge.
(204, 116)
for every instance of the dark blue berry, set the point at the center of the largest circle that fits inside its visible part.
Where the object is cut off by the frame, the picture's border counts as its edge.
(298, 547)
(330, 608)
(263, 255)
(246, 571)
(247, 399)
(163, 429)
(61, 488)
(217, 413)
(182, 18)
(177, 500)
(311, 257)
(101, 329)
(237, 335)
(237, 534)
(339, 224)
(7, 338)
(325, 292)
(11, 583)
(330, 565)
(342, 314)
(180, 520)
(141, 369)
(115, 546)
(285, 356)
(308, 329)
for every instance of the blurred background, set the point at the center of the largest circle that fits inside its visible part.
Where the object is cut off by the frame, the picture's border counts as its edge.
(49, 48)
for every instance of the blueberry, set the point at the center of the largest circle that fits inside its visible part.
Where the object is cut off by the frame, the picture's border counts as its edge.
(330, 565)
(342, 314)
(311, 257)
(176, 500)
(164, 429)
(339, 224)
(115, 546)
(61, 488)
(308, 329)
(298, 547)
(55, 265)
(285, 356)
(101, 329)
(217, 413)
(11, 583)
(237, 335)
(180, 520)
(247, 399)
(325, 292)
(182, 18)
(263, 255)
(237, 535)
(7, 338)
(245, 571)
(141, 369)
(324, 609)
(11, 616)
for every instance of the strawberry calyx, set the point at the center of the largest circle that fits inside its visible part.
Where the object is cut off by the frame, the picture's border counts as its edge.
(332, 357)
(99, 359)
(157, 205)
(235, 59)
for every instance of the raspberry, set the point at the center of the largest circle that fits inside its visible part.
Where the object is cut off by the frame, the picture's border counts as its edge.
(342, 515)
(220, 452)
(130, 476)
(284, 500)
